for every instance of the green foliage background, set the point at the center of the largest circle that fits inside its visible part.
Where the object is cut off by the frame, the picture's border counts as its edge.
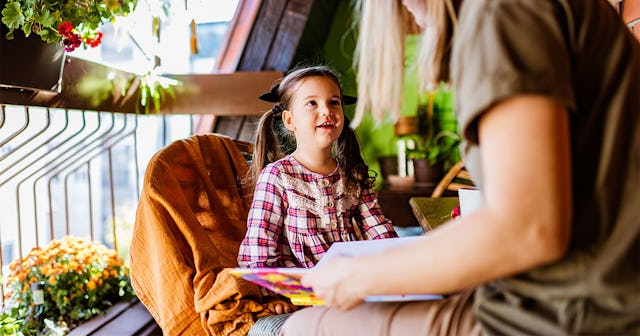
(378, 139)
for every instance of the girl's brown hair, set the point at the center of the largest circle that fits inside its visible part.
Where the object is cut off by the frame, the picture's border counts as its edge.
(274, 140)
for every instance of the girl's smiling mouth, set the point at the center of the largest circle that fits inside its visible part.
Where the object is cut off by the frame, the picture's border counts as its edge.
(327, 124)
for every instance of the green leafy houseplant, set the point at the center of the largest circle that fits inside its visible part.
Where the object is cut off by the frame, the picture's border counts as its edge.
(439, 138)
(70, 22)
(81, 278)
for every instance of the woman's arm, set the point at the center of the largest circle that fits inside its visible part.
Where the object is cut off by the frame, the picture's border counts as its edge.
(525, 221)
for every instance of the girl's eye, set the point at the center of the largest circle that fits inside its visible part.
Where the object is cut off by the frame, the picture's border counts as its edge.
(312, 103)
(335, 103)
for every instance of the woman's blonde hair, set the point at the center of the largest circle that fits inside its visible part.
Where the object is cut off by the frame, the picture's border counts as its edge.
(380, 52)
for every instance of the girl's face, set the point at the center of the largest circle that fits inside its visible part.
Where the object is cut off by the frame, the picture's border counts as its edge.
(315, 113)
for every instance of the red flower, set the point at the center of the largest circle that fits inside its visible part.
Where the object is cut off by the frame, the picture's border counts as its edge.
(455, 213)
(65, 29)
(94, 41)
(71, 42)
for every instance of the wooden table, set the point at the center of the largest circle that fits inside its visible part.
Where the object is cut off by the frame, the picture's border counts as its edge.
(394, 202)
(432, 212)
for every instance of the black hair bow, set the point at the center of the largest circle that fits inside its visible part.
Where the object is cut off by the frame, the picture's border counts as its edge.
(271, 96)
(349, 100)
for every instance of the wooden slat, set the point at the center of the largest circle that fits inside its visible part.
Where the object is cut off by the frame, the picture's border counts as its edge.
(262, 35)
(455, 186)
(247, 133)
(244, 147)
(92, 86)
(95, 323)
(288, 35)
(135, 320)
(237, 35)
(222, 94)
(151, 330)
(464, 174)
(229, 126)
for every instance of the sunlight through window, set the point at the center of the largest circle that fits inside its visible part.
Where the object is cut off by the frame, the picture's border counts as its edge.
(187, 38)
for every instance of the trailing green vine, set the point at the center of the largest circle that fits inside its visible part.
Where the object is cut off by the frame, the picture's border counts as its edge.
(153, 89)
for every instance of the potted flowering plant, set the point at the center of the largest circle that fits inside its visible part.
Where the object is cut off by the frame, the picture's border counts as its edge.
(78, 279)
(70, 22)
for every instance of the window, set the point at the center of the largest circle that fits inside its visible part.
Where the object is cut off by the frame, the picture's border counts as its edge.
(130, 43)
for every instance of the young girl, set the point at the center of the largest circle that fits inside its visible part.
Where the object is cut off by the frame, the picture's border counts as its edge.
(317, 195)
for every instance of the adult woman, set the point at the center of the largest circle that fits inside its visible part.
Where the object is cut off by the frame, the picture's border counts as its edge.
(547, 100)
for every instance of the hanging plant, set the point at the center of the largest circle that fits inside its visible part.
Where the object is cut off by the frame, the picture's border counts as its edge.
(154, 90)
(71, 23)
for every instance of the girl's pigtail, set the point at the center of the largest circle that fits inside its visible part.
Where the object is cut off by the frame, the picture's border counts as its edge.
(350, 160)
(267, 146)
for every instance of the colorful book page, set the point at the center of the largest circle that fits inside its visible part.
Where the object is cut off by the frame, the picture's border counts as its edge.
(284, 281)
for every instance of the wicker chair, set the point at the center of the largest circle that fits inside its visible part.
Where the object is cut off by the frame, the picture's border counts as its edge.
(457, 177)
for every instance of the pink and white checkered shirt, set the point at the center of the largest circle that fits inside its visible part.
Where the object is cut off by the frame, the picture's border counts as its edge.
(296, 215)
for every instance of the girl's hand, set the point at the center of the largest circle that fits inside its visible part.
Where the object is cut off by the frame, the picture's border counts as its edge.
(279, 306)
(335, 282)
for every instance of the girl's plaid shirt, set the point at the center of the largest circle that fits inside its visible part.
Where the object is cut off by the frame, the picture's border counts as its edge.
(296, 215)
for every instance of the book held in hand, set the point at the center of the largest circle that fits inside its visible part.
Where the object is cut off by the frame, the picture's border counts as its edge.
(286, 281)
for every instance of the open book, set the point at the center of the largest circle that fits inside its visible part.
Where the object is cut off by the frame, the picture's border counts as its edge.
(286, 281)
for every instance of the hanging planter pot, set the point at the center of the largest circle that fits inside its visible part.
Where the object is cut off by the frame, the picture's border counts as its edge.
(30, 63)
(36, 62)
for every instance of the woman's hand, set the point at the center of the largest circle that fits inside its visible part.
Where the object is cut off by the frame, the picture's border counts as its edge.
(335, 282)
(277, 305)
